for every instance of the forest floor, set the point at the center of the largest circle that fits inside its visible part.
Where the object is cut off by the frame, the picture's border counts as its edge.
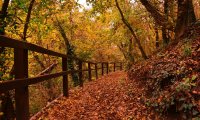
(112, 97)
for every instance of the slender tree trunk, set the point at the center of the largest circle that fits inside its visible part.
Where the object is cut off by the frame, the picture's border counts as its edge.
(28, 17)
(164, 29)
(131, 58)
(130, 51)
(131, 30)
(185, 17)
(122, 49)
(6, 106)
(70, 53)
(3, 14)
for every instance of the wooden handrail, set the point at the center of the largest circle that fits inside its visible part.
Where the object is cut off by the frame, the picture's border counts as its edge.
(13, 84)
(22, 82)
(12, 43)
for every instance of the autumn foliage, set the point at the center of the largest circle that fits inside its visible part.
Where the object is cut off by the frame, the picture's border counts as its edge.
(158, 42)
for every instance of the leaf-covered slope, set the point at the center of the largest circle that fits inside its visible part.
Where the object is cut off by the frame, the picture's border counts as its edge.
(170, 79)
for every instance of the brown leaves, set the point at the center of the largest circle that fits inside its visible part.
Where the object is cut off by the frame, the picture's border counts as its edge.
(111, 97)
(169, 76)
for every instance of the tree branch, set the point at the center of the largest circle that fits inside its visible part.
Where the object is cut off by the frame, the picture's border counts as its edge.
(48, 69)
(27, 19)
(131, 30)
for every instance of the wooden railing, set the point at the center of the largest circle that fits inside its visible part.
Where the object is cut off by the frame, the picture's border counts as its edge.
(21, 82)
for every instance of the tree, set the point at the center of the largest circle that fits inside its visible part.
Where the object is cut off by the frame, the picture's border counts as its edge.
(131, 30)
(185, 17)
(159, 18)
(28, 19)
(3, 14)
(69, 51)
(6, 105)
(165, 36)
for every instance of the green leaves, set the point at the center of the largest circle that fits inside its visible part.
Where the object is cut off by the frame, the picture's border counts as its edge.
(23, 5)
(187, 84)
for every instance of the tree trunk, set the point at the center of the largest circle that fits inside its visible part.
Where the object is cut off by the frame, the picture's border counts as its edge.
(70, 53)
(130, 51)
(28, 17)
(122, 49)
(3, 14)
(164, 30)
(165, 37)
(158, 17)
(185, 17)
(6, 106)
(131, 30)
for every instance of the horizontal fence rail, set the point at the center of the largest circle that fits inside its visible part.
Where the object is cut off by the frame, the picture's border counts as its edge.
(21, 81)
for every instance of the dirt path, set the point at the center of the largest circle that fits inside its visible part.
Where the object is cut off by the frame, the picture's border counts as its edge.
(109, 98)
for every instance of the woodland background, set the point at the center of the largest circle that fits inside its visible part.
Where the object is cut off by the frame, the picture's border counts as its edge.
(109, 30)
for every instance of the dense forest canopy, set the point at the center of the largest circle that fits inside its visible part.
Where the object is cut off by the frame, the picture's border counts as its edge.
(98, 25)
(96, 30)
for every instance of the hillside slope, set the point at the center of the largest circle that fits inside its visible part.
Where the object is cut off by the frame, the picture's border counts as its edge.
(169, 81)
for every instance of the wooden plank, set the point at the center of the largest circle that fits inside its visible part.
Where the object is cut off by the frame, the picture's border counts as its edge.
(96, 71)
(21, 93)
(80, 73)
(12, 43)
(89, 72)
(13, 84)
(65, 78)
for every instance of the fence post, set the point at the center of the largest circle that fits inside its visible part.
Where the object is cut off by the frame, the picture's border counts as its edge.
(80, 73)
(21, 94)
(65, 77)
(102, 69)
(96, 70)
(114, 67)
(89, 72)
(120, 65)
(107, 66)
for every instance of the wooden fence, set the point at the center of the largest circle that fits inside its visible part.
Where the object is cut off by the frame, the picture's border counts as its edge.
(21, 82)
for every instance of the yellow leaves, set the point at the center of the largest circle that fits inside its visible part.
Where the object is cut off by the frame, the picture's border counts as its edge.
(178, 72)
(1, 3)
(1, 113)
